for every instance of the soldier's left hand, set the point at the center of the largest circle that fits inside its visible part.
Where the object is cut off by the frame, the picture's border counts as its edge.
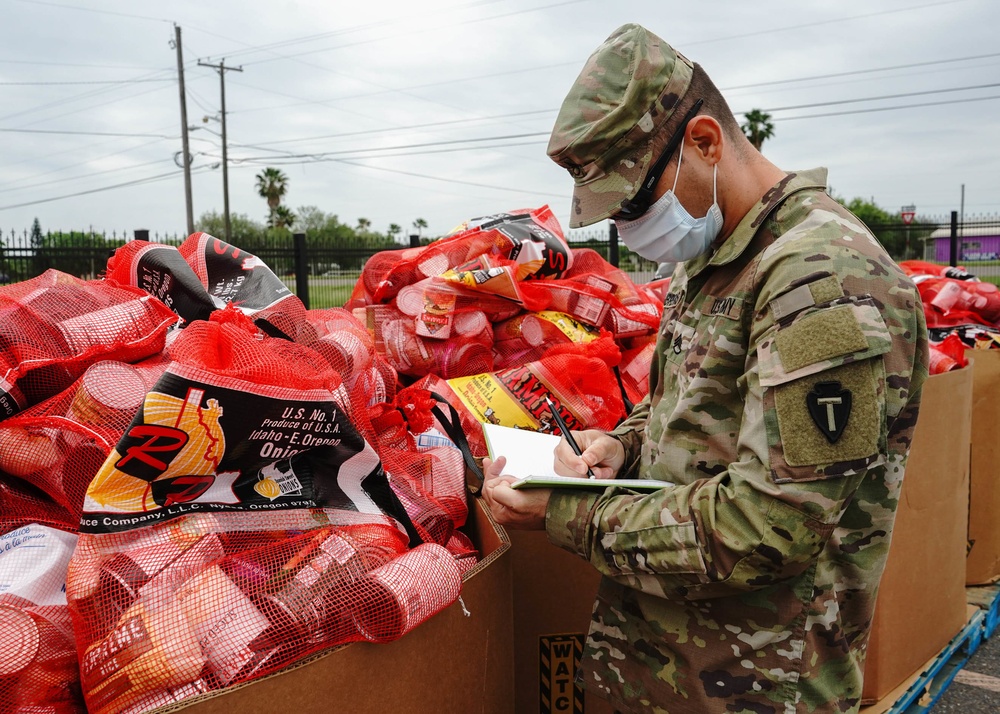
(522, 510)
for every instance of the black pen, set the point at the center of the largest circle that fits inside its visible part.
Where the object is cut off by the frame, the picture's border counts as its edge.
(565, 432)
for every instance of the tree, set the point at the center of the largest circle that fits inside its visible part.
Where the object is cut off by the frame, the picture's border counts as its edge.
(272, 185)
(282, 217)
(37, 239)
(420, 224)
(247, 233)
(758, 127)
(363, 225)
(394, 230)
(887, 227)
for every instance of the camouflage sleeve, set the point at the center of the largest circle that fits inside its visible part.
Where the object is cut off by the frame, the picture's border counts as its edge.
(629, 433)
(832, 332)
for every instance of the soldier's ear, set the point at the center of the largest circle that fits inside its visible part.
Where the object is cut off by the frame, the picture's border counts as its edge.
(705, 136)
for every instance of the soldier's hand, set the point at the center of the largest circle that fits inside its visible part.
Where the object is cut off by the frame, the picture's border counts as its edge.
(524, 510)
(604, 454)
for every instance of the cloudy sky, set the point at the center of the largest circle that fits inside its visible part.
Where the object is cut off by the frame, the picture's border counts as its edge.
(395, 110)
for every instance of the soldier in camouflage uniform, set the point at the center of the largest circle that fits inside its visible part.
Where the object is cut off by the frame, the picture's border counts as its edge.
(783, 397)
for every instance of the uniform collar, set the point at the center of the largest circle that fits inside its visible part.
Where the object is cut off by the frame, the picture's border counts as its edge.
(737, 242)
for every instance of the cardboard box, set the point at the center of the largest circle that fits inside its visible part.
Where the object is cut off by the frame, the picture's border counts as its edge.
(889, 701)
(921, 601)
(554, 595)
(451, 664)
(983, 564)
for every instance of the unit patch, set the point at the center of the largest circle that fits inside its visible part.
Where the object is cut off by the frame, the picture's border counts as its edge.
(830, 407)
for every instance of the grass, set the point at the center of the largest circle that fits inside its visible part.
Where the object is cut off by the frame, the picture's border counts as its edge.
(327, 291)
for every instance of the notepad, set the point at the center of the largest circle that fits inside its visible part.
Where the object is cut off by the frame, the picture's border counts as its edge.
(530, 459)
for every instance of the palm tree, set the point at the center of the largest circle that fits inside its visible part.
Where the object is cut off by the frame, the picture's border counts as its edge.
(758, 127)
(420, 224)
(282, 217)
(363, 225)
(272, 184)
(394, 230)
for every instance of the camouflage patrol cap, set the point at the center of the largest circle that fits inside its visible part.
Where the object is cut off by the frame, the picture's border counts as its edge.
(609, 129)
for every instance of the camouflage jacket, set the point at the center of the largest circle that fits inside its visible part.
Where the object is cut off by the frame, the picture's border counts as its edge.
(783, 397)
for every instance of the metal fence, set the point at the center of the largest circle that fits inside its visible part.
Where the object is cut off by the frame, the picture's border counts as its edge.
(323, 271)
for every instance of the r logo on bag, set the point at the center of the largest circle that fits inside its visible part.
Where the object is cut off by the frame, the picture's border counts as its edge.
(559, 660)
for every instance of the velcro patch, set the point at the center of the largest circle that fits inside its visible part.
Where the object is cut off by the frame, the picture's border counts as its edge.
(805, 440)
(823, 335)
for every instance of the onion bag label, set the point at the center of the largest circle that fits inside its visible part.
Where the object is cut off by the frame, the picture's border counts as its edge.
(512, 397)
(202, 442)
(533, 243)
(161, 271)
(233, 274)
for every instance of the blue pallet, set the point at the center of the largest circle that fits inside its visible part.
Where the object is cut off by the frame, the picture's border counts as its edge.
(987, 598)
(924, 693)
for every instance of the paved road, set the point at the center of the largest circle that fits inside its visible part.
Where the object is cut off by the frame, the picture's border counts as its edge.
(976, 689)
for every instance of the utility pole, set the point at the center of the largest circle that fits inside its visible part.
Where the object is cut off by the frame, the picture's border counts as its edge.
(221, 68)
(184, 132)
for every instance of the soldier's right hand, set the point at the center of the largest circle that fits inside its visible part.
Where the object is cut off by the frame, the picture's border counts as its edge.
(604, 454)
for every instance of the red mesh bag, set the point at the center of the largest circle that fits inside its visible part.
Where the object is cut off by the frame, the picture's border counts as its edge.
(521, 244)
(637, 360)
(947, 355)
(205, 274)
(917, 268)
(949, 302)
(241, 523)
(58, 445)
(429, 482)
(54, 326)
(578, 378)
(528, 336)
(597, 293)
(395, 337)
(38, 661)
(233, 276)
(349, 348)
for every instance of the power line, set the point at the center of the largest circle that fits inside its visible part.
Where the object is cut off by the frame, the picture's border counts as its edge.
(883, 96)
(817, 23)
(411, 31)
(323, 154)
(861, 71)
(78, 64)
(885, 109)
(317, 158)
(90, 9)
(475, 140)
(409, 127)
(96, 81)
(22, 187)
(137, 182)
(85, 133)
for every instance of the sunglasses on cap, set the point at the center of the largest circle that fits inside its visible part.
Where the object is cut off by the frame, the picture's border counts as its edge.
(639, 203)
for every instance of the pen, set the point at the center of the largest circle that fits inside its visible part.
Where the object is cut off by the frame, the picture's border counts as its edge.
(565, 432)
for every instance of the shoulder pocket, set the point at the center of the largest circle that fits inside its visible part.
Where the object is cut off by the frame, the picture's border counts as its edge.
(820, 338)
(824, 391)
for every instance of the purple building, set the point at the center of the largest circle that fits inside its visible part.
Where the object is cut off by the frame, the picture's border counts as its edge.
(975, 243)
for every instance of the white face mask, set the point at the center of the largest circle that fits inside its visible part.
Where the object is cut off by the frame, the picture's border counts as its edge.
(667, 232)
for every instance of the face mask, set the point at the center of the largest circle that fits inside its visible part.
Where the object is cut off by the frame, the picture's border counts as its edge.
(667, 232)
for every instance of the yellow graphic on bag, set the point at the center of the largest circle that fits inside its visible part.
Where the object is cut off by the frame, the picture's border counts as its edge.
(575, 331)
(489, 401)
(177, 438)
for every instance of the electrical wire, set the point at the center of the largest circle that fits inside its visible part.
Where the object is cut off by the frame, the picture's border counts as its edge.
(136, 182)
(85, 133)
(94, 10)
(95, 81)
